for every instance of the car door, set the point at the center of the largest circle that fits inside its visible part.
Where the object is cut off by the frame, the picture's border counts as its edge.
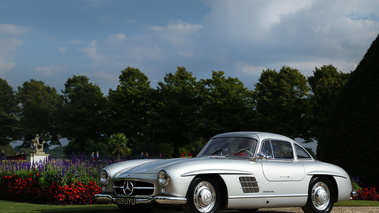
(279, 165)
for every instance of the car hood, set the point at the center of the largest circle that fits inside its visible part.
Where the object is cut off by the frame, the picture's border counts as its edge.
(185, 165)
(153, 166)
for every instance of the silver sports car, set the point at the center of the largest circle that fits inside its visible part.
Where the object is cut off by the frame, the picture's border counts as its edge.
(237, 170)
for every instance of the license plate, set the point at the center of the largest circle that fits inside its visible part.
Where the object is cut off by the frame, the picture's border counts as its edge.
(126, 201)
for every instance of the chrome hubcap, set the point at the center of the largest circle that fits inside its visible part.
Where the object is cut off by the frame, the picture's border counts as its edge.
(204, 196)
(320, 196)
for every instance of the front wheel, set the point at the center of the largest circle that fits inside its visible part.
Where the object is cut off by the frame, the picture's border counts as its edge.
(203, 196)
(320, 196)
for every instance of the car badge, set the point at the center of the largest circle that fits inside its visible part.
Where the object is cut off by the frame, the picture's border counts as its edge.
(128, 187)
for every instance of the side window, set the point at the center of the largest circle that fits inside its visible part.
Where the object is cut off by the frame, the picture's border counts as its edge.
(282, 149)
(266, 149)
(301, 153)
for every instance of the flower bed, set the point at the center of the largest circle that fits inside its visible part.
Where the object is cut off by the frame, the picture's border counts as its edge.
(54, 181)
(368, 194)
(364, 193)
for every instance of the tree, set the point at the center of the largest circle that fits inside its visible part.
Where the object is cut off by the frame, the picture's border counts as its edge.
(281, 102)
(38, 107)
(130, 104)
(118, 145)
(349, 137)
(177, 108)
(326, 83)
(226, 106)
(8, 114)
(83, 113)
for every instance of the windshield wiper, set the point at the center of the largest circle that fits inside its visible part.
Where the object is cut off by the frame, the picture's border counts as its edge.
(217, 151)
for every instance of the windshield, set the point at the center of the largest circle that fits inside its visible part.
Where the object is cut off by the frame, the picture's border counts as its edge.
(243, 147)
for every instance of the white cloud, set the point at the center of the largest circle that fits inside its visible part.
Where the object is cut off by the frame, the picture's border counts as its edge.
(249, 69)
(91, 52)
(13, 30)
(295, 33)
(179, 27)
(6, 64)
(50, 69)
(186, 53)
(9, 42)
(62, 49)
(248, 20)
(7, 53)
(178, 32)
(116, 39)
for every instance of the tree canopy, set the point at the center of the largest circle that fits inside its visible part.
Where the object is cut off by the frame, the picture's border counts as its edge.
(182, 113)
(176, 108)
(282, 102)
(350, 135)
(130, 105)
(83, 112)
(38, 107)
(8, 113)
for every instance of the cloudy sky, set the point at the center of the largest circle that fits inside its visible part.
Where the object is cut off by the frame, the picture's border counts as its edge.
(52, 40)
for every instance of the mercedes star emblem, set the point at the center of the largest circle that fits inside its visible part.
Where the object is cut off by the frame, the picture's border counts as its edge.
(128, 187)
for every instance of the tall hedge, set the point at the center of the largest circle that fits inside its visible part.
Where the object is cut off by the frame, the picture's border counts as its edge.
(350, 137)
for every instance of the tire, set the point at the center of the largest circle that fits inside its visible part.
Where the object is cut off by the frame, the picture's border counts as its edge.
(203, 196)
(135, 208)
(321, 196)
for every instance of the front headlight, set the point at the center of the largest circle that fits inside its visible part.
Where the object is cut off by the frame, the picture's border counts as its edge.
(104, 177)
(163, 178)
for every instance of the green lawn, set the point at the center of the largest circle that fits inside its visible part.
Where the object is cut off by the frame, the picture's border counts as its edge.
(358, 203)
(18, 207)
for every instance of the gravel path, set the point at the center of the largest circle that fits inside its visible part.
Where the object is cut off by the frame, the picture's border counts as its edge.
(337, 209)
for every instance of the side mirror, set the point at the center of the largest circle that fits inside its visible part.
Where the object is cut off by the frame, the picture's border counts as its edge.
(260, 156)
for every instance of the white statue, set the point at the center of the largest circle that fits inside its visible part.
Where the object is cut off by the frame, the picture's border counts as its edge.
(38, 146)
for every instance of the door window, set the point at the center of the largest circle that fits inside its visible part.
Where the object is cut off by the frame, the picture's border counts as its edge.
(301, 153)
(282, 149)
(267, 149)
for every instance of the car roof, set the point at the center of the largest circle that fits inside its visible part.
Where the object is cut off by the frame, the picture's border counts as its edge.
(253, 134)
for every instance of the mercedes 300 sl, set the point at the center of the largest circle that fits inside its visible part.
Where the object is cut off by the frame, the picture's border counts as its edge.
(237, 170)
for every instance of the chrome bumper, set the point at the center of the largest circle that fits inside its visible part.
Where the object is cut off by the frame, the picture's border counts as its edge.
(106, 198)
(353, 194)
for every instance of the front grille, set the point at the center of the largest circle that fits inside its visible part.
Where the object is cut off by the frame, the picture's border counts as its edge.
(134, 188)
(249, 184)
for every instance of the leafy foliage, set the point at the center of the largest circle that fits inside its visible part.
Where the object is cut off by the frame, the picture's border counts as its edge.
(349, 137)
(130, 105)
(282, 104)
(38, 107)
(83, 112)
(225, 106)
(326, 84)
(8, 112)
(176, 109)
(118, 145)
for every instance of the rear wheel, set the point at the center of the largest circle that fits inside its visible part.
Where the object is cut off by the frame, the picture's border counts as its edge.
(203, 196)
(320, 196)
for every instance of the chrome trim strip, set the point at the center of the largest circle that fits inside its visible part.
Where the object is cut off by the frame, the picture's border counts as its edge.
(326, 173)
(268, 196)
(138, 187)
(217, 171)
(144, 187)
(158, 199)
